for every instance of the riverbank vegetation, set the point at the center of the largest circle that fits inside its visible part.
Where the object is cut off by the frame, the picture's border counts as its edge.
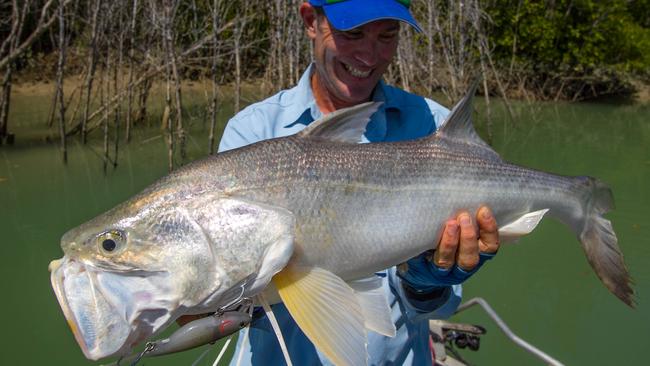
(115, 51)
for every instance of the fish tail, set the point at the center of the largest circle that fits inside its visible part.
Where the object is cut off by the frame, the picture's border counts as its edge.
(599, 240)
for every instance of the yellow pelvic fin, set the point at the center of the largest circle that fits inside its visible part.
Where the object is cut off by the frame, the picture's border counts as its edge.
(328, 312)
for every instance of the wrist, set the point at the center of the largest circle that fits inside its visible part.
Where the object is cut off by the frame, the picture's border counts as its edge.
(425, 294)
(421, 274)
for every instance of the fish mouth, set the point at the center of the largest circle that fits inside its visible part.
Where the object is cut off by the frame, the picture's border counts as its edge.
(108, 313)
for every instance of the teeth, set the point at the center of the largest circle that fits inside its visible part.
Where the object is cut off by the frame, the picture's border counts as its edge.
(356, 72)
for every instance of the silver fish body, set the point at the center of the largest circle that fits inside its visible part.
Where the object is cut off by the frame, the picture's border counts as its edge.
(364, 208)
(313, 200)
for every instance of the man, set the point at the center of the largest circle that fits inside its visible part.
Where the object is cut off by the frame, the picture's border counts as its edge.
(354, 42)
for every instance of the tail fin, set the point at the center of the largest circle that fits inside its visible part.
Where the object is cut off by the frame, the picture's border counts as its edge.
(600, 243)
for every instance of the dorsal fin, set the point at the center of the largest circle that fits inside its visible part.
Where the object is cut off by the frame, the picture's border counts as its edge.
(459, 126)
(344, 125)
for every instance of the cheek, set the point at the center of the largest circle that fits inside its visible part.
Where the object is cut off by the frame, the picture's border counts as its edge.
(329, 52)
(387, 52)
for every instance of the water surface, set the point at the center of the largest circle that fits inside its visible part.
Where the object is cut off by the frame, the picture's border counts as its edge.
(543, 286)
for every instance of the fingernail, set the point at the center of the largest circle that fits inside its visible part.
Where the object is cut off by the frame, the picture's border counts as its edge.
(486, 214)
(464, 220)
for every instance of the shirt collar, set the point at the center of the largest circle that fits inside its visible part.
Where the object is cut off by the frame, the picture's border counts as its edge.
(383, 94)
(305, 103)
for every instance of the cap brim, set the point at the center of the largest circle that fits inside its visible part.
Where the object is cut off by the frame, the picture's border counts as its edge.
(345, 15)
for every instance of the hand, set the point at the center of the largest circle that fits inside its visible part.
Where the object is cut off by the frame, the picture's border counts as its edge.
(462, 249)
(460, 243)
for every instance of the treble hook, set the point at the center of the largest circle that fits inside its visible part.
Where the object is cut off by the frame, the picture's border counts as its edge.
(194, 334)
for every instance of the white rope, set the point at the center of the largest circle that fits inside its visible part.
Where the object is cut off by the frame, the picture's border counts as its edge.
(276, 327)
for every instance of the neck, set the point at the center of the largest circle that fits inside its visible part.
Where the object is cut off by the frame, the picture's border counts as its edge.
(325, 101)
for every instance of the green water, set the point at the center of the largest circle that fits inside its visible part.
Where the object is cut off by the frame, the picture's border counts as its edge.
(542, 287)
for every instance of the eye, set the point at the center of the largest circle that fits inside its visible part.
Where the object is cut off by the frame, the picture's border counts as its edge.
(388, 37)
(109, 245)
(352, 34)
(110, 242)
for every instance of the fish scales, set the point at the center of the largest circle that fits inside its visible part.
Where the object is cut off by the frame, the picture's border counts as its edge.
(370, 204)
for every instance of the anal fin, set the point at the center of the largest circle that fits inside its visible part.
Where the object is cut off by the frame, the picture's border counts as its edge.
(374, 305)
(522, 226)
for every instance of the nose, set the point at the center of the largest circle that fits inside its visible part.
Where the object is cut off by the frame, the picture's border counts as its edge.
(366, 53)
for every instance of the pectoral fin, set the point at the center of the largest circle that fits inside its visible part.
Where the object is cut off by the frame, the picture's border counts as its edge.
(328, 312)
(522, 226)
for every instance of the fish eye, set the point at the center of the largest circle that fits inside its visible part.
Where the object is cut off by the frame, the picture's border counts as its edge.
(109, 245)
(111, 241)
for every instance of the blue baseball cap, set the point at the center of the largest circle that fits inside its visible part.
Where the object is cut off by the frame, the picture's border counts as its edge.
(347, 14)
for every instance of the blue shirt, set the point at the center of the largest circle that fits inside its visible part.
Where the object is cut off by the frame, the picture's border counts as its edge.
(402, 116)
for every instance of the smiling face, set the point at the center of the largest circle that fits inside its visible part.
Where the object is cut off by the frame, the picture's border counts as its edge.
(349, 64)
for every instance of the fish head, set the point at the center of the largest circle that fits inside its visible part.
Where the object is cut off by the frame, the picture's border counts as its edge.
(133, 270)
(130, 272)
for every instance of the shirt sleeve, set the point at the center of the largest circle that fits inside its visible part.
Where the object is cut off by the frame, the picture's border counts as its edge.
(241, 130)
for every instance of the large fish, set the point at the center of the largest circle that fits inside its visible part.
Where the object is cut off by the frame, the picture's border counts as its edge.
(311, 216)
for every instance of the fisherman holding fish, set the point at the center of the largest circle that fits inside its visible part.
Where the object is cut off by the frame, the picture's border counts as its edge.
(354, 42)
(309, 219)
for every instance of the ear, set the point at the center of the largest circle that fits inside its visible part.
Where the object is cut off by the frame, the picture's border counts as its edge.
(308, 14)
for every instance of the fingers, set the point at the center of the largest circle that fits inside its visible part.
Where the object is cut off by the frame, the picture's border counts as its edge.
(445, 254)
(462, 241)
(468, 246)
(488, 241)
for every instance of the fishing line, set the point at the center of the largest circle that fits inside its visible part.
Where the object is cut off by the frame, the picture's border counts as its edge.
(276, 327)
(221, 353)
(196, 362)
